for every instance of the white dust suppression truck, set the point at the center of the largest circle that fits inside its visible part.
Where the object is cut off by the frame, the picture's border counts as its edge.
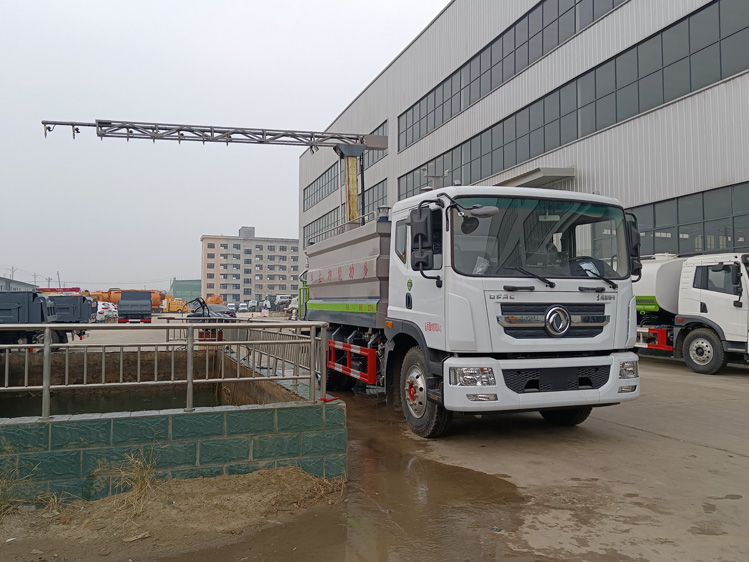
(695, 308)
(483, 299)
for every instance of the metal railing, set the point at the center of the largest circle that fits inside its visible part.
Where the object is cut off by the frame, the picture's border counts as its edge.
(191, 353)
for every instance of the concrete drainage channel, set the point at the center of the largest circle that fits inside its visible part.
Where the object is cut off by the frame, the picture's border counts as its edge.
(259, 380)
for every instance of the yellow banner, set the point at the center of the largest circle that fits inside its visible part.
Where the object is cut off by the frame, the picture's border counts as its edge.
(352, 189)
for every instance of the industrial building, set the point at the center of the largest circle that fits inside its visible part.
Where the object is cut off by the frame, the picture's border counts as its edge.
(7, 284)
(642, 100)
(246, 267)
(185, 289)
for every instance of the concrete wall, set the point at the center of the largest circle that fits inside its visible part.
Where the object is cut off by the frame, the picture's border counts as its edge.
(79, 454)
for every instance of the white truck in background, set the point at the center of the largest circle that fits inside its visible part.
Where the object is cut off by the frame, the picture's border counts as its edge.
(483, 299)
(695, 308)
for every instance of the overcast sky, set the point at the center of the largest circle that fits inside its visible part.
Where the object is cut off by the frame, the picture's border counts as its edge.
(108, 213)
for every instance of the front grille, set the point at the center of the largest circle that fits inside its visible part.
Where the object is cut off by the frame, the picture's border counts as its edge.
(556, 379)
(539, 332)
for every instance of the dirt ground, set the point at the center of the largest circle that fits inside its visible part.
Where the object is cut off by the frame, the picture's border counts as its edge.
(177, 516)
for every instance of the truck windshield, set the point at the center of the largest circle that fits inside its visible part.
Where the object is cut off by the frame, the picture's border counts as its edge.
(539, 237)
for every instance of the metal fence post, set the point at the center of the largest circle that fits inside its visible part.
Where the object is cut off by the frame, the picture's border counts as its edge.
(312, 362)
(46, 373)
(324, 362)
(190, 349)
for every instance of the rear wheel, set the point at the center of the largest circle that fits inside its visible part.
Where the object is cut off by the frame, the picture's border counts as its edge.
(425, 418)
(567, 417)
(703, 352)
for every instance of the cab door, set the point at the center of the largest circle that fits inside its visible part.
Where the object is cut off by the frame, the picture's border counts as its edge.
(720, 298)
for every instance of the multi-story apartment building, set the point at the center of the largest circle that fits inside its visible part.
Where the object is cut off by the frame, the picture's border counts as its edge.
(245, 267)
(642, 100)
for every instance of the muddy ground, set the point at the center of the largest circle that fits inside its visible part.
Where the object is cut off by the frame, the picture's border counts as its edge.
(174, 517)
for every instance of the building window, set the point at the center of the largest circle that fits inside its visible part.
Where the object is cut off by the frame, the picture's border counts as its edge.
(258, 277)
(247, 252)
(258, 267)
(271, 247)
(271, 258)
(210, 265)
(247, 281)
(259, 247)
(210, 245)
(679, 59)
(281, 268)
(283, 248)
(236, 286)
(235, 266)
(209, 276)
(294, 267)
(224, 246)
(210, 256)
(223, 286)
(372, 156)
(295, 258)
(247, 292)
(258, 258)
(236, 246)
(319, 229)
(209, 285)
(271, 277)
(236, 256)
(248, 261)
(223, 256)
(258, 286)
(235, 275)
(295, 287)
(323, 186)
(223, 276)
(295, 248)
(375, 196)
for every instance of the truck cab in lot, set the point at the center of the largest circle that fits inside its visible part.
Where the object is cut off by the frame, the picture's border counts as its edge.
(484, 299)
(696, 308)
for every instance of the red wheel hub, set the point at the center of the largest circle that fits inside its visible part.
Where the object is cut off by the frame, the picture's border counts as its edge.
(411, 392)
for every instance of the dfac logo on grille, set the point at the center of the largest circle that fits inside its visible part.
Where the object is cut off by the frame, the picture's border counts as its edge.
(557, 321)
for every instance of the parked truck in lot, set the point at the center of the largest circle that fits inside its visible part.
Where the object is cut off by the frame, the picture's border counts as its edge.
(134, 307)
(483, 299)
(30, 307)
(695, 308)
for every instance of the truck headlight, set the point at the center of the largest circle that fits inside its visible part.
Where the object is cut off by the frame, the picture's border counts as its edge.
(628, 370)
(472, 376)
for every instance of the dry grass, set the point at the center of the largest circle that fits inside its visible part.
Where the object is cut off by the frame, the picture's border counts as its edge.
(10, 481)
(136, 477)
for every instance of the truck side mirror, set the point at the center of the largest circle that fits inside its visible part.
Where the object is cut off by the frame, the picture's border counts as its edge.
(634, 239)
(736, 276)
(421, 228)
(717, 268)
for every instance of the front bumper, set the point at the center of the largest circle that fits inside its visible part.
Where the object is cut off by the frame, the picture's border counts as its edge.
(457, 398)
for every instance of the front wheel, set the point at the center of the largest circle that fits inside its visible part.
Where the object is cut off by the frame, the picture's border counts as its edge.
(425, 418)
(567, 417)
(703, 352)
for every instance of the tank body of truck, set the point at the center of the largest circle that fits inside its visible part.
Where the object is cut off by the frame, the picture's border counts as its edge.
(695, 308)
(134, 307)
(458, 304)
(172, 304)
(27, 307)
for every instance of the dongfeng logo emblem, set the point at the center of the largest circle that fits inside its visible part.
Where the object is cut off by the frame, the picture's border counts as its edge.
(557, 321)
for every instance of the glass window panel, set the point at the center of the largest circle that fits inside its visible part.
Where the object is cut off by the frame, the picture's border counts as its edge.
(508, 40)
(508, 67)
(735, 53)
(522, 122)
(703, 28)
(551, 11)
(475, 91)
(644, 216)
(665, 241)
(568, 98)
(438, 95)
(475, 66)
(606, 111)
(551, 37)
(647, 243)
(651, 91)
(676, 80)
(486, 60)
(734, 15)
(705, 67)
(551, 136)
(509, 124)
(600, 7)
(535, 48)
(586, 119)
(521, 57)
(566, 26)
(690, 208)
(741, 231)
(486, 165)
(464, 98)
(510, 157)
(467, 152)
(475, 171)
(665, 213)
(523, 148)
(691, 239)
(430, 122)
(741, 198)
(486, 142)
(430, 102)
(497, 161)
(496, 75)
(626, 68)
(438, 117)
(535, 21)
(455, 83)
(584, 13)
(649, 56)
(457, 158)
(497, 138)
(568, 125)
(537, 142)
(465, 76)
(497, 51)
(565, 5)
(486, 84)
(627, 102)
(465, 174)
(676, 42)
(521, 31)
(586, 88)
(605, 79)
(536, 115)
(718, 235)
(717, 203)
(551, 107)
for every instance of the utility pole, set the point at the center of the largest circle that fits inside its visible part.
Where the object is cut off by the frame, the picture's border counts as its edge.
(35, 280)
(59, 284)
(49, 281)
(12, 272)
